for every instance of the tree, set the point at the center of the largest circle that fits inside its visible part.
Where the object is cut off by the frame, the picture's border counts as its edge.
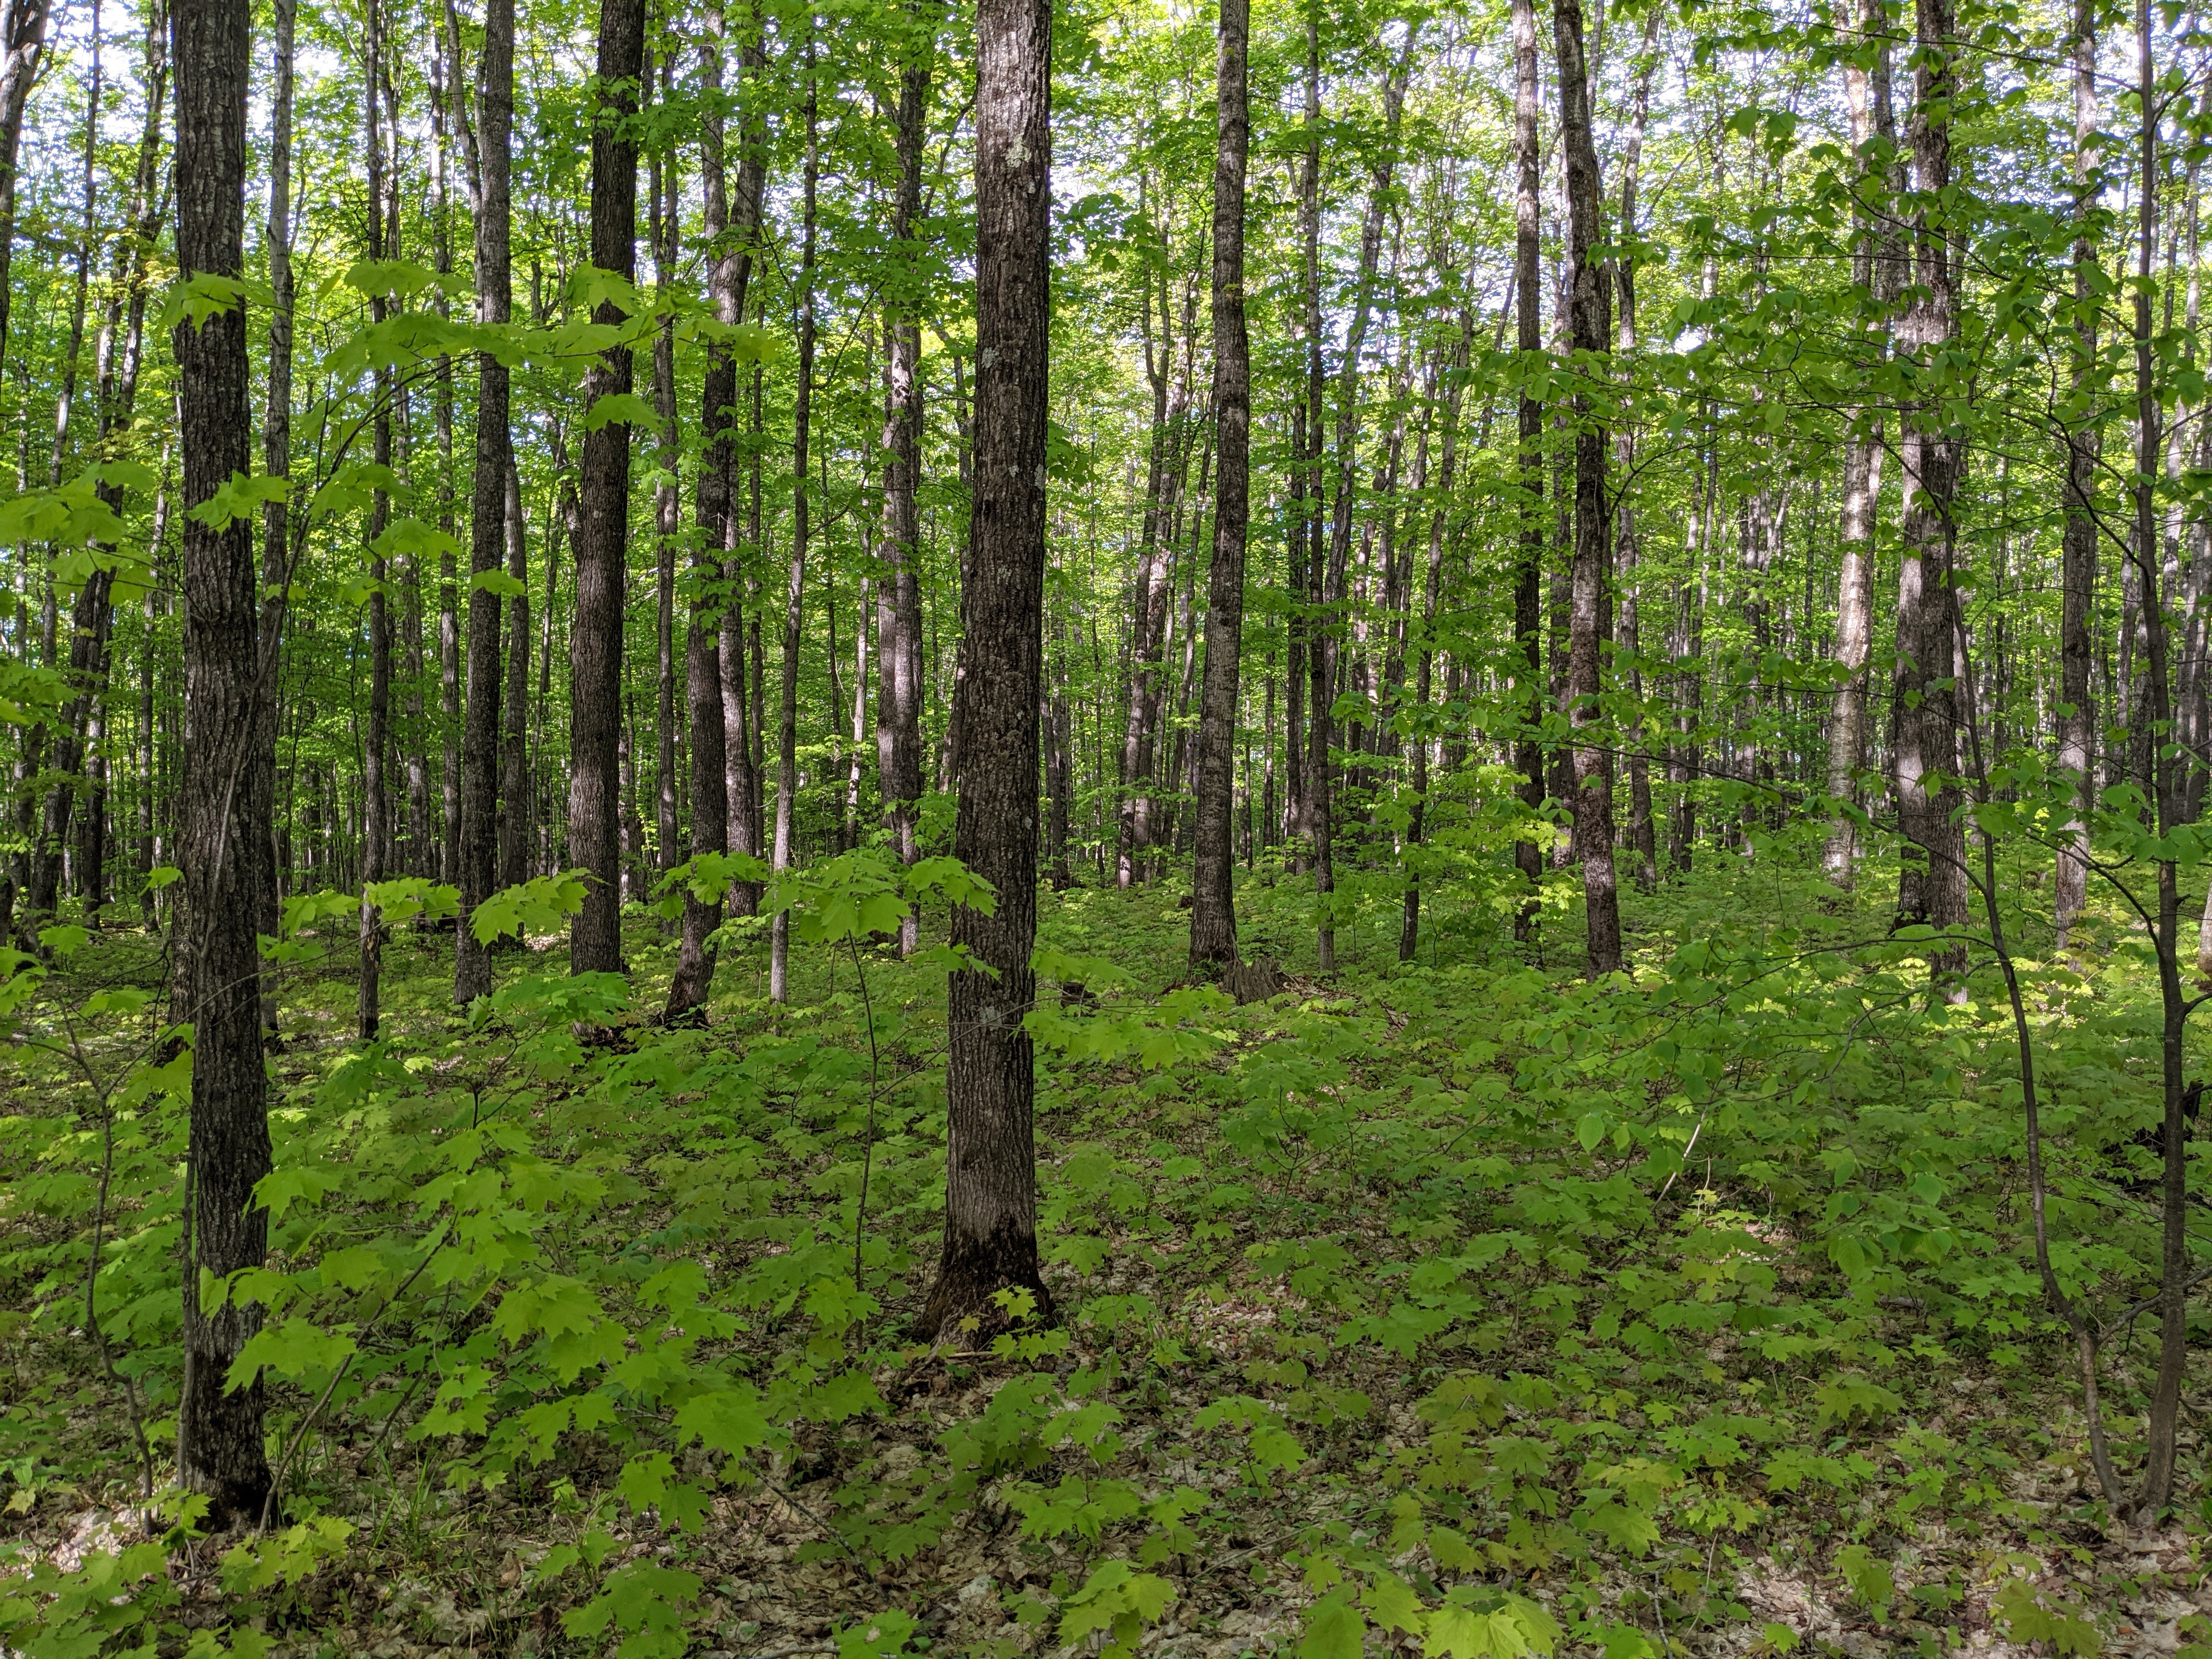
(898, 601)
(1213, 909)
(489, 185)
(219, 1442)
(1589, 286)
(786, 746)
(595, 644)
(990, 1183)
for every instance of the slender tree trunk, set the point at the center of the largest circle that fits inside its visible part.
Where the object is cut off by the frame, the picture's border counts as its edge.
(376, 817)
(2077, 722)
(1877, 273)
(479, 870)
(1213, 905)
(1528, 572)
(219, 1434)
(990, 1209)
(668, 512)
(443, 86)
(1454, 376)
(514, 707)
(1590, 285)
(1643, 836)
(2167, 792)
(787, 780)
(595, 642)
(898, 602)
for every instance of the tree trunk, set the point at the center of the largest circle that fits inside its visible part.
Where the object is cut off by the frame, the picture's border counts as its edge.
(595, 643)
(443, 87)
(376, 817)
(1528, 572)
(1932, 884)
(668, 512)
(479, 838)
(23, 36)
(1876, 272)
(219, 1433)
(1213, 904)
(990, 1209)
(2077, 723)
(514, 706)
(1455, 370)
(1589, 281)
(787, 777)
(688, 990)
(898, 604)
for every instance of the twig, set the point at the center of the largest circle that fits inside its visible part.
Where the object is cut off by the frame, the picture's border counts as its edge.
(827, 1529)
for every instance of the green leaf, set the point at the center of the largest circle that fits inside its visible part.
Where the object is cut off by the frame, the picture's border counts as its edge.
(498, 582)
(620, 409)
(1334, 1628)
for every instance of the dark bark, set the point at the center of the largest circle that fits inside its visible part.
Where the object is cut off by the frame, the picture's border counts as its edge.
(23, 38)
(1213, 905)
(1454, 374)
(990, 1211)
(668, 512)
(479, 840)
(1589, 282)
(219, 1438)
(595, 641)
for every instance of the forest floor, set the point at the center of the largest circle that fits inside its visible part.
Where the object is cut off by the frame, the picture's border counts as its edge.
(1458, 1306)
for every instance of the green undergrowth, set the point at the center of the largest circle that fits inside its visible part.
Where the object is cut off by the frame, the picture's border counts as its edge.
(1461, 1303)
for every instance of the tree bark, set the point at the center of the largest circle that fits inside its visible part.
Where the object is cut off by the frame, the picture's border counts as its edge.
(514, 706)
(479, 870)
(787, 779)
(23, 38)
(1589, 284)
(595, 643)
(376, 815)
(2077, 722)
(898, 602)
(1528, 571)
(1876, 272)
(1213, 903)
(990, 1211)
(668, 512)
(219, 1437)
(1932, 884)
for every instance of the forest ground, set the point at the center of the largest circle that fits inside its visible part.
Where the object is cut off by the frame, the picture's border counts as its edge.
(1696, 1310)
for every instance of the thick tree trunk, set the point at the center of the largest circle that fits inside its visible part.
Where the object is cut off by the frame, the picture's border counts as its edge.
(23, 39)
(1589, 284)
(2078, 722)
(898, 602)
(990, 1210)
(219, 1436)
(1932, 886)
(445, 67)
(595, 643)
(787, 777)
(479, 838)
(1213, 903)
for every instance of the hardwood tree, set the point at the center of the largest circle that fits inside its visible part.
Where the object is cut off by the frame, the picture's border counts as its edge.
(1214, 909)
(990, 1177)
(220, 1452)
